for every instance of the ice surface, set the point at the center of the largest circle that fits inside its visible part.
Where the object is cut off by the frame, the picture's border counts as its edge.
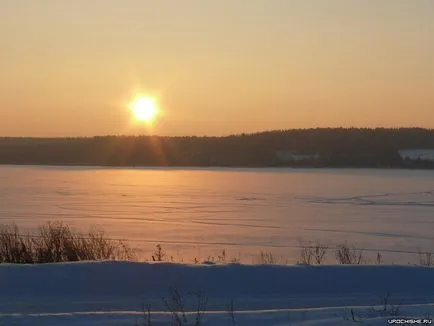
(200, 212)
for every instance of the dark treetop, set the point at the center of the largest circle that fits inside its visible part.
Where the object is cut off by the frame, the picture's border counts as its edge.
(305, 148)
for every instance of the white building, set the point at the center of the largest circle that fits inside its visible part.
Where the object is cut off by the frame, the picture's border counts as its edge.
(294, 156)
(417, 154)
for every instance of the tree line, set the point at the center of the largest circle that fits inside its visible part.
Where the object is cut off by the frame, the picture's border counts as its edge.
(337, 147)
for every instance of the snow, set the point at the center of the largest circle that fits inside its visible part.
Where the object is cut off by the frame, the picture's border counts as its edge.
(113, 293)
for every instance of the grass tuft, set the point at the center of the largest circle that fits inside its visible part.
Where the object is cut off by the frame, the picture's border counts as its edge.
(56, 242)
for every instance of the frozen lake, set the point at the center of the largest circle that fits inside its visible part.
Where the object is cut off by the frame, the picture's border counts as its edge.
(200, 212)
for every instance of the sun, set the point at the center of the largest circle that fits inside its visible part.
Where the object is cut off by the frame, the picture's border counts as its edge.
(144, 109)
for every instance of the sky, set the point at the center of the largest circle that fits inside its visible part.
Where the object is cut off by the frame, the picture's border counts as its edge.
(216, 67)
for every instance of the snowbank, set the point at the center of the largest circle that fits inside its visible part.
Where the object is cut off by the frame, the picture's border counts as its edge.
(125, 286)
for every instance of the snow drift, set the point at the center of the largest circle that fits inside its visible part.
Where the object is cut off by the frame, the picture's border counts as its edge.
(103, 287)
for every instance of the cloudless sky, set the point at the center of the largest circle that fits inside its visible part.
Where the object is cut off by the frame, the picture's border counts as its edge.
(69, 68)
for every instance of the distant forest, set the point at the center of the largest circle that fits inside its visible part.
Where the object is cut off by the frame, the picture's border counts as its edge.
(333, 148)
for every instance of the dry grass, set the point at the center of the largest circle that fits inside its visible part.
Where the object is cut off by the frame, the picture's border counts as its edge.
(56, 242)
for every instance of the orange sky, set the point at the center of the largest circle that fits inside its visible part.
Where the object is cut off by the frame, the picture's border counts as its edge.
(69, 68)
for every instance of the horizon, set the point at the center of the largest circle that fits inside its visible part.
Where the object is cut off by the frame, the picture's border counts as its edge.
(405, 128)
(74, 69)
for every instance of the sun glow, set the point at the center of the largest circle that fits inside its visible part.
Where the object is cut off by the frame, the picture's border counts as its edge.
(144, 109)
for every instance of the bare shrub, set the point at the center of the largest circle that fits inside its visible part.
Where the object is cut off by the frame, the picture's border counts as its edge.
(146, 317)
(379, 259)
(13, 247)
(268, 258)
(231, 311)
(347, 255)
(159, 253)
(222, 258)
(96, 246)
(176, 305)
(55, 243)
(426, 259)
(351, 315)
(313, 254)
(387, 308)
